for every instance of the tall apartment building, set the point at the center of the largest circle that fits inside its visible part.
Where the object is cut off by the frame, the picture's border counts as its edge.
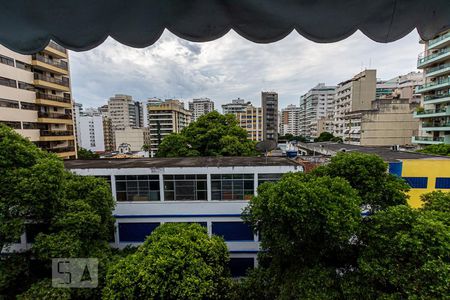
(165, 118)
(91, 132)
(352, 95)
(251, 119)
(435, 112)
(108, 134)
(317, 110)
(389, 122)
(290, 120)
(124, 112)
(403, 86)
(269, 103)
(77, 110)
(200, 107)
(35, 98)
(236, 106)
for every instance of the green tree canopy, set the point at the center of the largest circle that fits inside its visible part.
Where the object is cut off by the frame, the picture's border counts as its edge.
(86, 154)
(212, 134)
(71, 215)
(440, 149)
(368, 175)
(177, 261)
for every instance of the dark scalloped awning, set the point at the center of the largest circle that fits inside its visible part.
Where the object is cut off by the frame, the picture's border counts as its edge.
(26, 26)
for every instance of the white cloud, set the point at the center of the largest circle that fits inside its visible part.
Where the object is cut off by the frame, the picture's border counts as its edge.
(231, 67)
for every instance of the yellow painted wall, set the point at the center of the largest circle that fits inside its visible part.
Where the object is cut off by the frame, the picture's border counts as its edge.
(430, 168)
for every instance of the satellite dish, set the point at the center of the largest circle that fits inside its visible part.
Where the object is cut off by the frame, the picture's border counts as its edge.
(266, 146)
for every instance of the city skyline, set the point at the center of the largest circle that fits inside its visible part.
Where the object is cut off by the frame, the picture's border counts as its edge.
(175, 68)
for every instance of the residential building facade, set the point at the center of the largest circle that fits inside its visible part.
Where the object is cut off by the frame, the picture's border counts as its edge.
(35, 98)
(269, 103)
(290, 120)
(125, 112)
(91, 132)
(352, 95)
(166, 118)
(236, 106)
(251, 119)
(434, 114)
(200, 107)
(317, 110)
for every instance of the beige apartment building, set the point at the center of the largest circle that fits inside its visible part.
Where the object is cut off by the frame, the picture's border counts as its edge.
(125, 112)
(166, 118)
(252, 121)
(134, 137)
(434, 113)
(35, 98)
(353, 95)
(388, 123)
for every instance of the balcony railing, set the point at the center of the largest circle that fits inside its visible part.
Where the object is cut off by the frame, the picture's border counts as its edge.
(56, 133)
(51, 79)
(440, 67)
(56, 63)
(52, 97)
(430, 84)
(62, 149)
(424, 58)
(439, 38)
(428, 139)
(54, 116)
(427, 124)
(431, 111)
(57, 47)
(434, 97)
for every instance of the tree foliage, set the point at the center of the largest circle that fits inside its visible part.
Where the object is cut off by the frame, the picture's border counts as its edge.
(86, 154)
(439, 149)
(177, 261)
(212, 134)
(368, 175)
(72, 214)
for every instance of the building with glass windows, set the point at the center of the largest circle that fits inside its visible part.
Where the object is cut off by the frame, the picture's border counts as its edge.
(211, 191)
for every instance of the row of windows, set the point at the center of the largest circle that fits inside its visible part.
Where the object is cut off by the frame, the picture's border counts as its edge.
(16, 84)
(230, 231)
(422, 182)
(188, 187)
(10, 62)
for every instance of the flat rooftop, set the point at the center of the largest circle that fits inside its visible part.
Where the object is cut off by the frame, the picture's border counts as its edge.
(177, 162)
(386, 153)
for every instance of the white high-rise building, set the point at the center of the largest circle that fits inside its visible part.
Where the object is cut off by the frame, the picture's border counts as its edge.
(200, 107)
(90, 130)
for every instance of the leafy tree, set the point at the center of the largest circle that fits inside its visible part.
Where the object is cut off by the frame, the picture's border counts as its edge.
(87, 154)
(405, 254)
(212, 134)
(43, 290)
(368, 175)
(72, 214)
(324, 137)
(177, 261)
(440, 149)
(176, 145)
(437, 200)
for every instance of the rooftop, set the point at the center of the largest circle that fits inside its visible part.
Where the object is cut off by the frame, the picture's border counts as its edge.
(178, 162)
(386, 153)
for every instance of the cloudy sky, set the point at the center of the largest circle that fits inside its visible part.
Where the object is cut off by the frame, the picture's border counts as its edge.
(231, 67)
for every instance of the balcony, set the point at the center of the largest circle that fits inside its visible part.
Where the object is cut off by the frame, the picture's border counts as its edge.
(63, 151)
(438, 71)
(436, 99)
(56, 135)
(426, 60)
(52, 100)
(432, 113)
(429, 126)
(53, 118)
(427, 140)
(52, 83)
(435, 85)
(439, 41)
(55, 50)
(50, 65)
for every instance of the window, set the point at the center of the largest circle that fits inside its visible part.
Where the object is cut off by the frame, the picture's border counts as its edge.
(8, 82)
(268, 178)
(9, 103)
(233, 231)
(232, 186)
(239, 265)
(6, 60)
(26, 86)
(29, 106)
(23, 66)
(137, 188)
(12, 124)
(185, 187)
(135, 232)
(443, 182)
(417, 182)
(31, 125)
